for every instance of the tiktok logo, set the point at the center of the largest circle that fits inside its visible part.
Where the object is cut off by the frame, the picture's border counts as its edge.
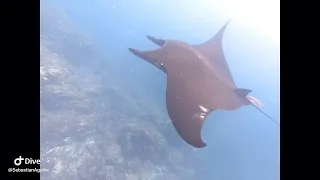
(18, 160)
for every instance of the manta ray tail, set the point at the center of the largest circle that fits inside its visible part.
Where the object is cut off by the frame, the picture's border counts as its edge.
(273, 120)
(243, 94)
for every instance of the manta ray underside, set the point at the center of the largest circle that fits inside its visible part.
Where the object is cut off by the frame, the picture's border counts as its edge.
(198, 82)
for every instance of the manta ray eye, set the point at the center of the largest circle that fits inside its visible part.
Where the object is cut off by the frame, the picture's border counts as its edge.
(160, 66)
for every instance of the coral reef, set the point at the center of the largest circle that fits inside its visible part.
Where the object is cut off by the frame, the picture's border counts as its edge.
(91, 128)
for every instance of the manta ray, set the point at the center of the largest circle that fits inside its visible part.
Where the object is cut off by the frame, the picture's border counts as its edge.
(198, 82)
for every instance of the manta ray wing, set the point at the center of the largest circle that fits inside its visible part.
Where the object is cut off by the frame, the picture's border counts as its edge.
(213, 51)
(186, 111)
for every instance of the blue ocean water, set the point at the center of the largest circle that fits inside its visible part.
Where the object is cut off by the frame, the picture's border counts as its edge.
(242, 144)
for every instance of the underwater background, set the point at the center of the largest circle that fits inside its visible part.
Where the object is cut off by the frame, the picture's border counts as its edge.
(102, 110)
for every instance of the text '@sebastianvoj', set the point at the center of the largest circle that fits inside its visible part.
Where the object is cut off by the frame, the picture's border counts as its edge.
(28, 170)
